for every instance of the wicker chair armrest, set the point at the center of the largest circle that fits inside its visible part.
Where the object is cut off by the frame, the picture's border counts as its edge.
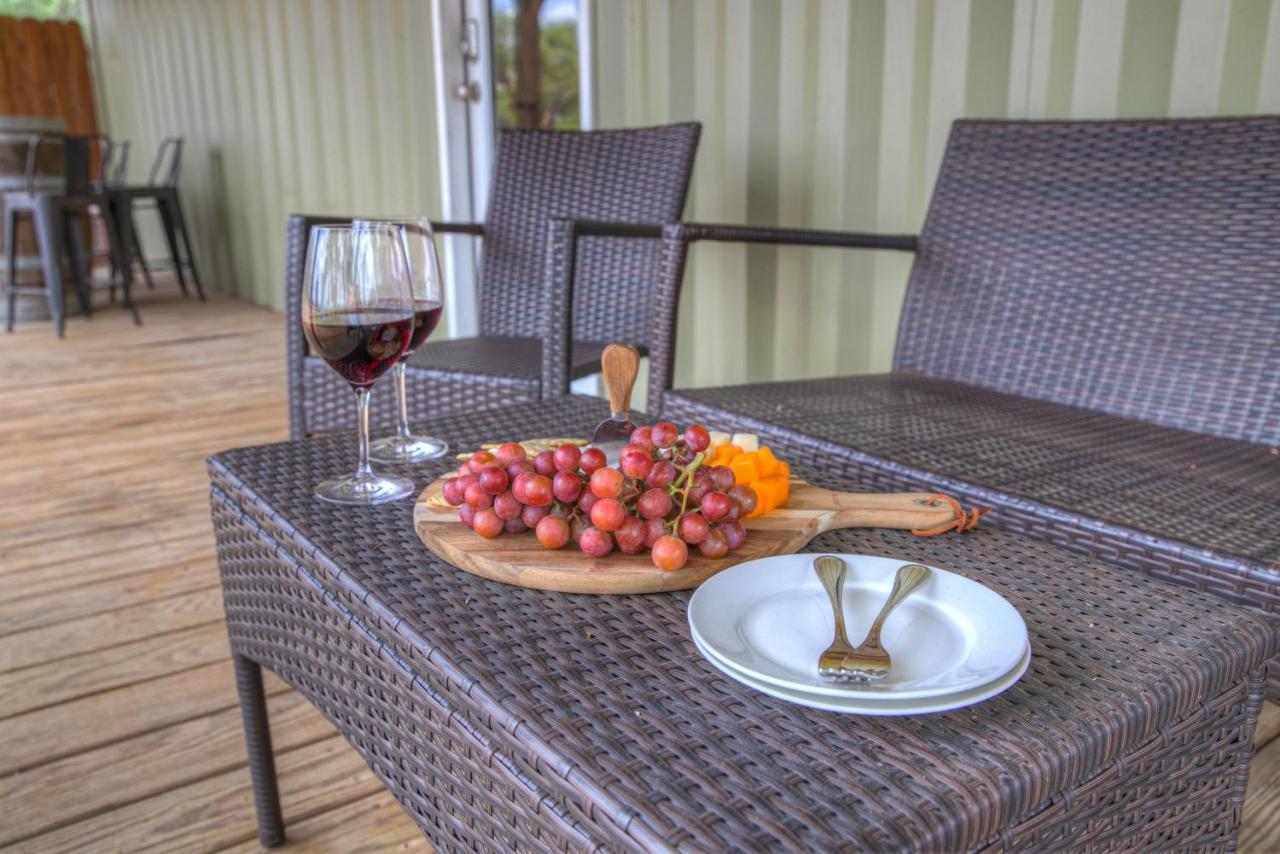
(475, 228)
(691, 231)
(558, 276)
(675, 249)
(557, 307)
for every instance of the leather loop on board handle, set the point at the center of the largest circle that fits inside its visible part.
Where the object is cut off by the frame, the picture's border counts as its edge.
(621, 365)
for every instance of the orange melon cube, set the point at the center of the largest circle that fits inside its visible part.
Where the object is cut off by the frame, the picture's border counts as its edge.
(745, 470)
(766, 462)
(762, 502)
(724, 453)
(771, 492)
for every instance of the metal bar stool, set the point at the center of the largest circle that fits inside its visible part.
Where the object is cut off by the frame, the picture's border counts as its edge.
(113, 162)
(161, 190)
(59, 218)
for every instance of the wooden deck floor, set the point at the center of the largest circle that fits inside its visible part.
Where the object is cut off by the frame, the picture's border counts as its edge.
(119, 729)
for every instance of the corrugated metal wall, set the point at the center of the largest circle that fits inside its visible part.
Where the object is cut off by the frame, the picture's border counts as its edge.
(835, 113)
(826, 113)
(286, 105)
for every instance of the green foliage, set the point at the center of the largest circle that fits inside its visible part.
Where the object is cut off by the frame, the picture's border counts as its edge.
(41, 9)
(558, 49)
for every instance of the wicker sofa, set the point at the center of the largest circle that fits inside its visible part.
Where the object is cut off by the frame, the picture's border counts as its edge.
(1090, 343)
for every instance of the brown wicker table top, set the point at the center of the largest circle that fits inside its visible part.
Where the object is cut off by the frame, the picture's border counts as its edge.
(605, 713)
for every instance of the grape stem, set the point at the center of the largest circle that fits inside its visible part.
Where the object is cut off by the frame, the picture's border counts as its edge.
(686, 478)
(690, 469)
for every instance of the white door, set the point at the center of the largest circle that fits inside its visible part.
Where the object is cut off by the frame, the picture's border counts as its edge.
(475, 49)
(464, 118)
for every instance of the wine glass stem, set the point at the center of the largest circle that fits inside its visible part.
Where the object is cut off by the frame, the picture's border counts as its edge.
(362, 408)
(403, 429)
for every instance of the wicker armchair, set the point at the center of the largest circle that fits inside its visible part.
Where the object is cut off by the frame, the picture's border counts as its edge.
(553, 291)
(1090, 343)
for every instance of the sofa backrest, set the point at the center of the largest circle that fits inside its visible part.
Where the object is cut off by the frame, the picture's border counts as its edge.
(1130, 267)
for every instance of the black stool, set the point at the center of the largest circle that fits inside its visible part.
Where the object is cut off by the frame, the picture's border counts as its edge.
(113, 163)
(162, 190)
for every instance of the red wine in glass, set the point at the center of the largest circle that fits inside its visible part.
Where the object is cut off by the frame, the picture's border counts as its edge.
(357, 314)
(360, 344)
(426, 316)
(428, 304)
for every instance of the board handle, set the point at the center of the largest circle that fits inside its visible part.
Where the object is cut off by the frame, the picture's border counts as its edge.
(620, 364)
(908, 511)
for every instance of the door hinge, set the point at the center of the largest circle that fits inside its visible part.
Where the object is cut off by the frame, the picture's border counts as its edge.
(470, 39)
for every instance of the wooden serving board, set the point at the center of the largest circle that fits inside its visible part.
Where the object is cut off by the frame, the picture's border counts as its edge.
(521, 560)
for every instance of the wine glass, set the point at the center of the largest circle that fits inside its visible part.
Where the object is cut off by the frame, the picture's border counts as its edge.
(428, 304)
(357, 314)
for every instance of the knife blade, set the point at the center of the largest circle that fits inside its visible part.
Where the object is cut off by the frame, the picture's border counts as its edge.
(620, 364)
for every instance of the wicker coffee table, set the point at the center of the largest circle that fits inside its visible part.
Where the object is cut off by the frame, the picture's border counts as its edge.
(512, 718)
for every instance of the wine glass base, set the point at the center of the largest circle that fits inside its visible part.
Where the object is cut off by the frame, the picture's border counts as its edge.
(407, 449)
(368, 490)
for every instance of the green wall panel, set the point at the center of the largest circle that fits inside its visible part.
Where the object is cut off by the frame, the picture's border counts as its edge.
(286, 106)
(816, 113)
(834, 114)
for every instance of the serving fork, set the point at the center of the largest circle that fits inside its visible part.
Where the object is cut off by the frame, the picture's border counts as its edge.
(869, 660)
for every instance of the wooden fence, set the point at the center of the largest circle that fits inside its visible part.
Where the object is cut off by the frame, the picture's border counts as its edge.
(44, 71)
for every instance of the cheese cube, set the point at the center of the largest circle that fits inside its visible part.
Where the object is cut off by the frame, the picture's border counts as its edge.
(746, 441)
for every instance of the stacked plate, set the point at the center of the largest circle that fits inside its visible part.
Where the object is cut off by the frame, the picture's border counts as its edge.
(954, 642)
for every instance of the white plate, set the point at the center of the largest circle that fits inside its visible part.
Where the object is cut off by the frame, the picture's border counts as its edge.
(770, 619)
(862, 706)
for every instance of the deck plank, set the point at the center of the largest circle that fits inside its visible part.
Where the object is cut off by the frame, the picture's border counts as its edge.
(75, 637)
(96, 719)
(79, 540)
(85, 600)
(322, 780)
(42, 578)
(374, 823)
(1268, 728)
(111, 668)
(1261, 827)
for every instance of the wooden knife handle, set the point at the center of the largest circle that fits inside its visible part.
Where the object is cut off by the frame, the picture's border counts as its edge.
(621, 365)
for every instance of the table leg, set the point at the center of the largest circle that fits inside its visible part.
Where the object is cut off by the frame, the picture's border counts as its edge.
(257, 738)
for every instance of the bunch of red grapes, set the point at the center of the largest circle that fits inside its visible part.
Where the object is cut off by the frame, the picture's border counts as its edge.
(660, 497)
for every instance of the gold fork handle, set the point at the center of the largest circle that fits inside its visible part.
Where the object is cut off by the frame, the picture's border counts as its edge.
(831, 571)
(905, 582)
